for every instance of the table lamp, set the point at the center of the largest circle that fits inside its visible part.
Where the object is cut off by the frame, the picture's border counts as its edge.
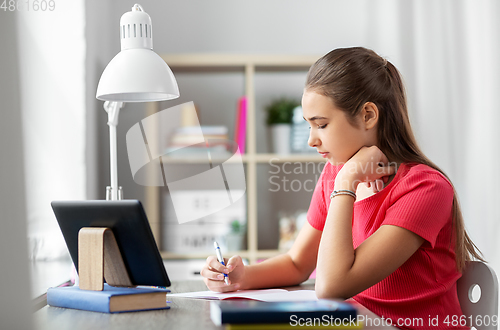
(135, 74)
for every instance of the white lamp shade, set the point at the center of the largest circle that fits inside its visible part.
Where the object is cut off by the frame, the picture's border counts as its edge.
(137, 75)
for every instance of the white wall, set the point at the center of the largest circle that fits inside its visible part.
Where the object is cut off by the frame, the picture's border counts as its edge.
(15, 285)
(280, 27)
(446, 51)
(52, 86)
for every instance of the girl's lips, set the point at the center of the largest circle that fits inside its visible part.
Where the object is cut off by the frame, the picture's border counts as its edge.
(323, 154)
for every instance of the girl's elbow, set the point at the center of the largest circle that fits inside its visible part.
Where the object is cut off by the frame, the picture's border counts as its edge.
(331, 291)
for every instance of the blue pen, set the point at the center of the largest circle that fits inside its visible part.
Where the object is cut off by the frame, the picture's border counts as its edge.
(221, 260)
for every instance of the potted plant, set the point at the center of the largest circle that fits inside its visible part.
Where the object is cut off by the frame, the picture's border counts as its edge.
(234, 239)
(279, 119)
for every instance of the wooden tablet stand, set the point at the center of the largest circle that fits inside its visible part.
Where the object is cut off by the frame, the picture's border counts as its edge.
(99, 258)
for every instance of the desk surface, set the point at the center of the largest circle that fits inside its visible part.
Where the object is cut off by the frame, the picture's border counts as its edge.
(184, 313)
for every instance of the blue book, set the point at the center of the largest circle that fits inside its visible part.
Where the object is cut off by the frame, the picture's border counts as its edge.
(110, 300)
(285, 312)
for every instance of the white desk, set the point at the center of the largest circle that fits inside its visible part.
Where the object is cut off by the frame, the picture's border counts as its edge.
(184, 313)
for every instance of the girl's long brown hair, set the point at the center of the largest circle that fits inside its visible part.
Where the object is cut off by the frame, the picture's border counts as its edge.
(353, 76)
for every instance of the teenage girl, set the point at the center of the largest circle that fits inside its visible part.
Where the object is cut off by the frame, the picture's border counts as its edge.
(384, 224)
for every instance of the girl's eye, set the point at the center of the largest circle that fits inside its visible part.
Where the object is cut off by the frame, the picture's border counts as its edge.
(322, 126)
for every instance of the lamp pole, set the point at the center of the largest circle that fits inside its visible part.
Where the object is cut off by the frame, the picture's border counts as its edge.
(113, 109)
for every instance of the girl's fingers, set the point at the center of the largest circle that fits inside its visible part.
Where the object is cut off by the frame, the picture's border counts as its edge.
(233, 262)
(213, 263)
(211, 275)
(376, 185)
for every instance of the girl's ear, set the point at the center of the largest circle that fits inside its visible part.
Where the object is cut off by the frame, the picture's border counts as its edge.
(370, 115)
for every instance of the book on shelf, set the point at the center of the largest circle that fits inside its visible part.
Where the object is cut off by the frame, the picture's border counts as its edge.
(188, 135)
(186, 140)
(284, 312)
(199, 141)
(241, 124)
(110, 300)
(205, 130)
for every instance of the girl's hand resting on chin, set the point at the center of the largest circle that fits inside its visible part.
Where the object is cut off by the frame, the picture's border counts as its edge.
(213, 274)
(368, 165)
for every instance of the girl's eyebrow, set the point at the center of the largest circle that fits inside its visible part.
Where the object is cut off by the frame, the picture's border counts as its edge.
(315, 118)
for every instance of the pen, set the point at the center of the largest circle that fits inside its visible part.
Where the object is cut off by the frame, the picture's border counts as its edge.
(221, 260)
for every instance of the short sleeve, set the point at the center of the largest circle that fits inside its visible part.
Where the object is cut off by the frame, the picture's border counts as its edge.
(316, 215)
(422, 203)
(318, 209)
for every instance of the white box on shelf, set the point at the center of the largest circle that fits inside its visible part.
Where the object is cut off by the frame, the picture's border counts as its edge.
(199, 235)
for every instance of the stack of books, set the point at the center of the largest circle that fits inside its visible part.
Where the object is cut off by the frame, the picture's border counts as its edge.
(110, 300)
(199, 141)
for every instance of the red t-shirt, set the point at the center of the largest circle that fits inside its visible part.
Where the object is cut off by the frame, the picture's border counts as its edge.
(419, 199)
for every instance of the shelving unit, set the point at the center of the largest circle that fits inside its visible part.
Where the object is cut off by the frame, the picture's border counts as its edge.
(249, 64)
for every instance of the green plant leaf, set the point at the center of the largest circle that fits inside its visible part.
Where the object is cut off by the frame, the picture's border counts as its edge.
(280, 111)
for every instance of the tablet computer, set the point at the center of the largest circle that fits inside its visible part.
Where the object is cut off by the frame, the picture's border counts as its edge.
(128, 221)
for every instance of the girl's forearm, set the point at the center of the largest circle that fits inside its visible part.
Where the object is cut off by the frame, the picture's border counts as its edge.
(273, 272)
(336, 251)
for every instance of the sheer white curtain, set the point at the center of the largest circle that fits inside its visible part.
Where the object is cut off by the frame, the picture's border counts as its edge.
(52, 87)
(448, 52)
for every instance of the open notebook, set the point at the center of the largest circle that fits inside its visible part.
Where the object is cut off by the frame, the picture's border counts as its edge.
(261, 295)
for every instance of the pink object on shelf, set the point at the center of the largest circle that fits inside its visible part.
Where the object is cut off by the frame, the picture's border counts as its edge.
(242, 123)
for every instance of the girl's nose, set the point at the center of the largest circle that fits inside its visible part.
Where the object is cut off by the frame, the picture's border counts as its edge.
(313, 140)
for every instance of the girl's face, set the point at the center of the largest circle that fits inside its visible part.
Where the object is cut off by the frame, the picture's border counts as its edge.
(330, 132)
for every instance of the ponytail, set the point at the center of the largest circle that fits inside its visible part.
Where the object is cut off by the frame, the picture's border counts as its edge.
(353, 76)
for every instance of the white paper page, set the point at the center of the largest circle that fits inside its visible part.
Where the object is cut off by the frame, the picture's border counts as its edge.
(248, 294)
(298, 295)
(268, 295)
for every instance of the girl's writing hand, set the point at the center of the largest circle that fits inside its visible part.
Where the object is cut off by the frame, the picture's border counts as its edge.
(213, 276)
(368, 165)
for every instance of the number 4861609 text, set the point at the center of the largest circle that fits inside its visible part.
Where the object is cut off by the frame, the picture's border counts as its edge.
(28, 5)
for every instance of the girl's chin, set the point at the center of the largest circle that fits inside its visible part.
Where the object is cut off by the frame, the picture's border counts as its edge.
(335, 162)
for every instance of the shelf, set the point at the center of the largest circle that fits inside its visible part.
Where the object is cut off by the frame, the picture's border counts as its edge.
(266, 158)
(248, 65)
(239, 60)
(201, 160)
(257, 158)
